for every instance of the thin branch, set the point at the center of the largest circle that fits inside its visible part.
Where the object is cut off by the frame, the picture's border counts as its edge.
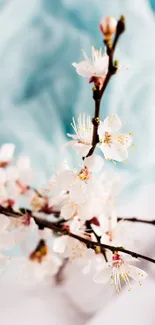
(59, 228)
(89, 243)
(98, 93)
(134, 219)
(95, 121)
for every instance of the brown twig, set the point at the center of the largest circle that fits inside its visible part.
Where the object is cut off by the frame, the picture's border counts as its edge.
(98, 93)
(134, 219)
(59, 229)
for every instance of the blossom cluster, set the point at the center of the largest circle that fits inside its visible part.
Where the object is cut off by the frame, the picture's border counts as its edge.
(76, 209)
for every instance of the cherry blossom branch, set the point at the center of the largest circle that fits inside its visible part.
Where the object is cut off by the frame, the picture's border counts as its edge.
(97, 92)
(95, 121)
(59, 228)
(90, 244)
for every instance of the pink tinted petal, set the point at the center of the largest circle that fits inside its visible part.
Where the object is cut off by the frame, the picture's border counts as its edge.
(84, 68)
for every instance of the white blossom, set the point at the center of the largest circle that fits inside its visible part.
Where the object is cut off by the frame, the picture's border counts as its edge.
(82, 138)
(119, 270)
(114, 146)
(97, 66)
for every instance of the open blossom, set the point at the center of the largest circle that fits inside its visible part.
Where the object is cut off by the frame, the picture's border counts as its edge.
(119, 270)
(84, 189)
(41, 265)
(97, 66)
(82, 138)
(114, 146)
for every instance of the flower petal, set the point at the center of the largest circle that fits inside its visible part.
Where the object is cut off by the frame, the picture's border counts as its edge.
(83, 68)
(124, 139)
(68, 210)
(60, 244)
(78, 192)
(103, 276)
(6, 151)
(94, 163)
(136, 273)
(112, 122)
(74, 225)
(81, 148)
(114, 152)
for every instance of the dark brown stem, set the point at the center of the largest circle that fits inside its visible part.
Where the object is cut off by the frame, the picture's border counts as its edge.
(95, 121)
(89, 243)
(134, 219)
(98, 238)
(98, 93)
(59, 229)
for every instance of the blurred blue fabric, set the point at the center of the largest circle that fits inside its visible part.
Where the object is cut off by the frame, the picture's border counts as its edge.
(40, 90)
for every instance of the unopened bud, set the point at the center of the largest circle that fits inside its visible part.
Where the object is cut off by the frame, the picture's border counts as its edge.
(108, 27)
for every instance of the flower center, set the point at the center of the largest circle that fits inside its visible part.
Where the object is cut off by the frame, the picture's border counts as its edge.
(84, 174)
(39, 254)
(107, 138)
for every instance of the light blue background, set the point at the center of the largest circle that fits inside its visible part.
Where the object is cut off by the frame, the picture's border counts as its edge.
(40, 91)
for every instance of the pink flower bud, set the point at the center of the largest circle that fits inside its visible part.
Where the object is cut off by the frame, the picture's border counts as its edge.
(108, 27)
